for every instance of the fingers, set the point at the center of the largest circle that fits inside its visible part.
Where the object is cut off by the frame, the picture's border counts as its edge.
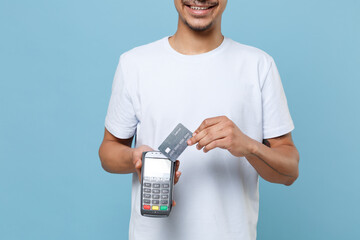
(146, 148)
(210, 134)
(200, 135)
(211, 137)
(177, 172)
(208, 123)
(139, 151)
(177, 165)
(220, 143)
(177, 177)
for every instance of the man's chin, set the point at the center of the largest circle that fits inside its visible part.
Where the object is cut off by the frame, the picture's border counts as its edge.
(199, 28)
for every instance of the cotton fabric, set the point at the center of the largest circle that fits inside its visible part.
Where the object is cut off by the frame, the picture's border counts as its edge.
(155, 88)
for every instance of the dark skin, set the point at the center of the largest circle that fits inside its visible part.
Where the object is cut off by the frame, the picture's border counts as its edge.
(277, 163)
(276, 160)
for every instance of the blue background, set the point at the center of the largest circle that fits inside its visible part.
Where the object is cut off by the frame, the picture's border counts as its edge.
(57, 62)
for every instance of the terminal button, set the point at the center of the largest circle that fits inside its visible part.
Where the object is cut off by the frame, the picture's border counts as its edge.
(147, 207)
(155, 207)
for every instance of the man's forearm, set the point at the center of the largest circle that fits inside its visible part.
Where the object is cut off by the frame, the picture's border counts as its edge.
(277, 164)
(116, 157)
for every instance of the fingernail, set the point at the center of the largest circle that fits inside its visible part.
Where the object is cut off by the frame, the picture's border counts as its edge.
(194, 133)
(189, 142)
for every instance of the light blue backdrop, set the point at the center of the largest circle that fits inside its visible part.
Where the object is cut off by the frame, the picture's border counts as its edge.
(57, 61)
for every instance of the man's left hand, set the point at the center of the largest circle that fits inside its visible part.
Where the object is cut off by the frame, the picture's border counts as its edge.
(221, 132)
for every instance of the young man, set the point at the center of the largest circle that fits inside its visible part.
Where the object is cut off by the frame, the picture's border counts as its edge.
(232, 96)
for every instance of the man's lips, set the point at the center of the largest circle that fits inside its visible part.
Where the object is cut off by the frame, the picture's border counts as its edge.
(200, 3)
(200, 10)
(204, 5)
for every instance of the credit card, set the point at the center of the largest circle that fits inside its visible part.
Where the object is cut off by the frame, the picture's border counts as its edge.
(176, 142)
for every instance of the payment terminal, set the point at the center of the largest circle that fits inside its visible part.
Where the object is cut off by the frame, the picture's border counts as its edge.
(157, 180)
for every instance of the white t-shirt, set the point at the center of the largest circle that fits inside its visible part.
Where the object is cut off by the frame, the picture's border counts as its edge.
(155, 88)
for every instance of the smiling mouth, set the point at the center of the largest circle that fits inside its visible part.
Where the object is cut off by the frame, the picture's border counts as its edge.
(200, 8)
(194, 5)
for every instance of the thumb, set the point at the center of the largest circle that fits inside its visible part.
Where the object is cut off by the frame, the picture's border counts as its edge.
(138, 165)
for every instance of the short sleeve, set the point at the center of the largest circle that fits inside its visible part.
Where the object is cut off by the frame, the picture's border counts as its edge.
(276, 116)
(121, 119)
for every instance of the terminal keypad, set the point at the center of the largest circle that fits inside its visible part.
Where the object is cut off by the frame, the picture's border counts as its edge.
(156, 193)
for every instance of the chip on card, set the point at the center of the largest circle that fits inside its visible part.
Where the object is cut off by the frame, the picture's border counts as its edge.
(176, 142)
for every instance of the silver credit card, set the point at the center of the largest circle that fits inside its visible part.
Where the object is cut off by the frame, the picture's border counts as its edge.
(176, 142)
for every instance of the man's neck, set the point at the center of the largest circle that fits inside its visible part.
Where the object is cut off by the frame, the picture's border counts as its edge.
(189, 42)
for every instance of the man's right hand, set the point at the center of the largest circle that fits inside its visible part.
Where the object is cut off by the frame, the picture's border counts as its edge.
(136, 158)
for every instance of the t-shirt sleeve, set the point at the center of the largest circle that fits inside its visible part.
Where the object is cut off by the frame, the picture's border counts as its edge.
(121, 119)
(276, 116)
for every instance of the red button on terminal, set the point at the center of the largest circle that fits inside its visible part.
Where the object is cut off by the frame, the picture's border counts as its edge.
(147, 207)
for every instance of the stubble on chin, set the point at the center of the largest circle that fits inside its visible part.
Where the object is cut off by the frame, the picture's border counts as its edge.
(198, 28)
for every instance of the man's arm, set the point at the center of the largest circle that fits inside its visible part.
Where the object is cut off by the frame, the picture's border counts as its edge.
(275, 162)
(116, 154)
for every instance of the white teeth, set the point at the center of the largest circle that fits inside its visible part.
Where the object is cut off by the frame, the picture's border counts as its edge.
(199, 8)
